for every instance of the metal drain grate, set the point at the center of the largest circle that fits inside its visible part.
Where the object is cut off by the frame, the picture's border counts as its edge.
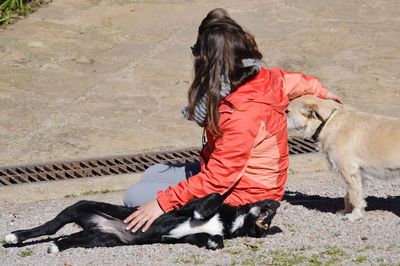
(113, 166)
(300, 146)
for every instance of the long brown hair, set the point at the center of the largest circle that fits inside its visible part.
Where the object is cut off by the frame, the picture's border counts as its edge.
(220, 47)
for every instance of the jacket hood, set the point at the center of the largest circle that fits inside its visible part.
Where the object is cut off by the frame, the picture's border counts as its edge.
(264, 88)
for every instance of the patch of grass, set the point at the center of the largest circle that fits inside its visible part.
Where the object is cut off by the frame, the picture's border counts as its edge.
(249, 261)
(333, 254)
(12, 10)
(70, 196)
(360, 259)
(2, 241)
(233, 263)
(367, 247)
(91, 192)
(286, 258)
(190, 260)
(333, 251)
(25, 253)
(3, 251)
(290, 227)
(234, 251)
(255, 260)
(228, 244)
(253, 248)
(330, 256)
(94, 192)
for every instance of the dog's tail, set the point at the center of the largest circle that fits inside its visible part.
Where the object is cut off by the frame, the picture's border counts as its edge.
(380, 173)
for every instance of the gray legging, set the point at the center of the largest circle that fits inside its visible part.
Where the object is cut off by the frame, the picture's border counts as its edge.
(158, 177)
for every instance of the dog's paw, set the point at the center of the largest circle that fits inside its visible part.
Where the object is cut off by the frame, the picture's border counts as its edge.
(53, 248)
(211, 244)
(11, 239)
(215, 242)
(354, 216)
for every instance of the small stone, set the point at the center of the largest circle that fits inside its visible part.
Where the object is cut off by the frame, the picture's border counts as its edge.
(68, 263)
(84, 60)
(36, 44)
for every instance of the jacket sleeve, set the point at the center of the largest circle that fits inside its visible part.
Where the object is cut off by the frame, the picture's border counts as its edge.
(225, 165)
(297, 84)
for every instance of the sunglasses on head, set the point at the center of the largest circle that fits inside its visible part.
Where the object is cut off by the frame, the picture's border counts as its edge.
(194, 49)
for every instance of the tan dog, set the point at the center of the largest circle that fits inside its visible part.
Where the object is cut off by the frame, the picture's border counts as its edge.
(358, 145)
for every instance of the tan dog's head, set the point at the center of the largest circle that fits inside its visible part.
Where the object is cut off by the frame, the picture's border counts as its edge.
(306, 113)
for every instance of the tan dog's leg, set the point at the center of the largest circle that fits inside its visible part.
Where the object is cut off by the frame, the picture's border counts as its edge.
(354, 201)
(348, 207)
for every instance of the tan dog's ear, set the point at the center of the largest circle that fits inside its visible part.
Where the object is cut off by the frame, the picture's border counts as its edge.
(310, 111)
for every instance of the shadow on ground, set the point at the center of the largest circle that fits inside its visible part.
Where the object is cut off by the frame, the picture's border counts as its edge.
(327, 204)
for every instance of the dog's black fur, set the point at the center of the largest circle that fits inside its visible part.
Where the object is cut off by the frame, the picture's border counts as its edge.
(203, 222)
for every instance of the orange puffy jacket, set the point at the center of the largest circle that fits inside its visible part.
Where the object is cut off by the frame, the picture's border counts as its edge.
(249, 161)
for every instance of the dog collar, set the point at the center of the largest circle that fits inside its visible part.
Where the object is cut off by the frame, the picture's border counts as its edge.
(317, 132)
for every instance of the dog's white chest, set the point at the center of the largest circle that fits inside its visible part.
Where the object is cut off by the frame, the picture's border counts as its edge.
(213, 227)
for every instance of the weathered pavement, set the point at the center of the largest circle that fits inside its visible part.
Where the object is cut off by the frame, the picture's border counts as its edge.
(84, 79)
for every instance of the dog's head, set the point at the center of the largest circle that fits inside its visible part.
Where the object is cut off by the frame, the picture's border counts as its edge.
(306, 113)
(259, 217)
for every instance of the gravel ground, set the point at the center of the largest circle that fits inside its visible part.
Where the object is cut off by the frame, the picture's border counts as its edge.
(306, 231)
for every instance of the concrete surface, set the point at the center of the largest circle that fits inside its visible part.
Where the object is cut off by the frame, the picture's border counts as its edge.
(83, 79)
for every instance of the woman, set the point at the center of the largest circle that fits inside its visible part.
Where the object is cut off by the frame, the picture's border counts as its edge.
(241, 106)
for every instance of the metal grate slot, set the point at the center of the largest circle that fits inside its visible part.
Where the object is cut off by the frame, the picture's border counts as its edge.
(299, 146)
(115, 165)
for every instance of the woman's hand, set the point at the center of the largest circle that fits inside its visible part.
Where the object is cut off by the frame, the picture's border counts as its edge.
(144, 215)
(334, 97)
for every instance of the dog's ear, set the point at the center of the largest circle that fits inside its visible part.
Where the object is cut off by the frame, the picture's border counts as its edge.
(208, 207)
(310, 110)
(202, 208)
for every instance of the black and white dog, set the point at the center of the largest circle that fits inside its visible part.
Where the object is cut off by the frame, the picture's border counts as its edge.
(203, 222)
